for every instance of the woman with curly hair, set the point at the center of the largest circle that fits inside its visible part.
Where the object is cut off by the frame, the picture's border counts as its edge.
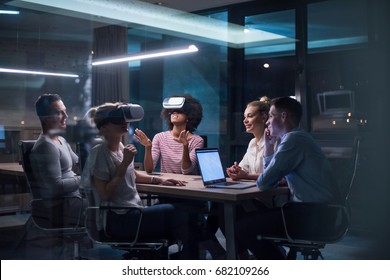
(175, 148)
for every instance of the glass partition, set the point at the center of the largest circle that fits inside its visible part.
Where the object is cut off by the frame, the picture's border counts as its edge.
(57, 48)
(336, 25)
(337, 62)
(281, 23)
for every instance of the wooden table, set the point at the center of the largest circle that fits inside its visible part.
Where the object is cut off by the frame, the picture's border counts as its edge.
(12, 173)
(193, 190)
(229, 197)
(11, 168)
(18, 198)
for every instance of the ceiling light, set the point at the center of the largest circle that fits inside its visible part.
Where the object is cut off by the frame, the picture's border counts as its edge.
(21, 71)
(164, 20)
(146, 55)
(8, 12)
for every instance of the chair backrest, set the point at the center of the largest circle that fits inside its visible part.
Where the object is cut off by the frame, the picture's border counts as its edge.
(204, 137)
(315, 222)
(94, 217)
(42, 217)
(92, 221)
(354, 165)
(25, 147)
(84, 148)
(321, 222)
(92, 196)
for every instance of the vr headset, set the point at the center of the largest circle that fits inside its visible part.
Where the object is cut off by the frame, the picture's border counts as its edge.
(83, 131)
(174, 102)
(126, 113)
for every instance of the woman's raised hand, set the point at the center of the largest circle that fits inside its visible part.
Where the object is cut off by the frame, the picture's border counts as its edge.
(184, 137)
(142, 138)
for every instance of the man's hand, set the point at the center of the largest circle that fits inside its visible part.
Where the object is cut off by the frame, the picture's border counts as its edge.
(269, 143)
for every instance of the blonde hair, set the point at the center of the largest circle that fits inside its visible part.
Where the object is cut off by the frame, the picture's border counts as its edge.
(265, 99)
(262, 105)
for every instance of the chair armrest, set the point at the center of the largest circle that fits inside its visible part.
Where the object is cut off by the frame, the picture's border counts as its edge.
(97, 209)
(35, 202)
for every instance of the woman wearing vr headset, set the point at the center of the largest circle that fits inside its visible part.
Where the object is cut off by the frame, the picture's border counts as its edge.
(175, 148)
(110, 169)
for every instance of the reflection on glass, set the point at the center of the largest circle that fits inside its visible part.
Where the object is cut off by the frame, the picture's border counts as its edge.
(281, 23)
(336, 24)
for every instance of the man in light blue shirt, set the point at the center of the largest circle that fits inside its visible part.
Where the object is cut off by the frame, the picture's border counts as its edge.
(298, 159)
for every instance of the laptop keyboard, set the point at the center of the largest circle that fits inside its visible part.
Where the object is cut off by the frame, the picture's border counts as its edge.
(226, 184)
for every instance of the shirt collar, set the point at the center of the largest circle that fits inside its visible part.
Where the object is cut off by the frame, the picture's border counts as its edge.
(292, 130)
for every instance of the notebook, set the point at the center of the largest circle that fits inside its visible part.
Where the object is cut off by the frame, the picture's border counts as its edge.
(212, 172)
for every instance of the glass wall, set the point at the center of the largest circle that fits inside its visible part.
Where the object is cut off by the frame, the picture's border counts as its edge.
(62, 39)
(338, 57)
(52, 42)
(279, 48)
(268, 69)
(40, 42)
(340, 89)
(281, 23)
(234, 65)
(203, 75)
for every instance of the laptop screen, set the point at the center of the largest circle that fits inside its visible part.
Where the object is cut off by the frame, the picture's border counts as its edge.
(210, 165)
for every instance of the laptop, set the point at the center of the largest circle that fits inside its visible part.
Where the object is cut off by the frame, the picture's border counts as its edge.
(213, 175)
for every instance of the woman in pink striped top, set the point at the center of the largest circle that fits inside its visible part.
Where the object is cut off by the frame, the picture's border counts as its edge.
(175, 148)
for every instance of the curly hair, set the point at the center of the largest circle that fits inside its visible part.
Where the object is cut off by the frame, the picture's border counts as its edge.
(191, 108)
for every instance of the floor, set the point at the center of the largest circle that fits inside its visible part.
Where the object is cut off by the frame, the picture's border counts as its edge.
(16, 244)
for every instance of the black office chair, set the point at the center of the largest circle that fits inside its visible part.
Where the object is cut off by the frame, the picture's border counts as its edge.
(204, 137)
(310, 226)
(39, 216)
(137, 248)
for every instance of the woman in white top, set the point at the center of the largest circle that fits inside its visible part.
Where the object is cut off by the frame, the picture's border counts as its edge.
(255, 117)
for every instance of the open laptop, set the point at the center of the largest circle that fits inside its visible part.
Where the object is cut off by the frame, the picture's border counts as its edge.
(212, 172)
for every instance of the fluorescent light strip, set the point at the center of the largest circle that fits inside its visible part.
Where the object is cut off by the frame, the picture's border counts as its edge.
(20, 71)
(146, 55)
(8, 12)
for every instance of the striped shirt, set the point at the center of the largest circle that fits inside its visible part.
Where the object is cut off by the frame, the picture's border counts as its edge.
(169, 152)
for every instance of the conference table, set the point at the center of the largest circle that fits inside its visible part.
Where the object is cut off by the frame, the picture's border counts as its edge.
(194, 189)
(16, 196)
(11, 168)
